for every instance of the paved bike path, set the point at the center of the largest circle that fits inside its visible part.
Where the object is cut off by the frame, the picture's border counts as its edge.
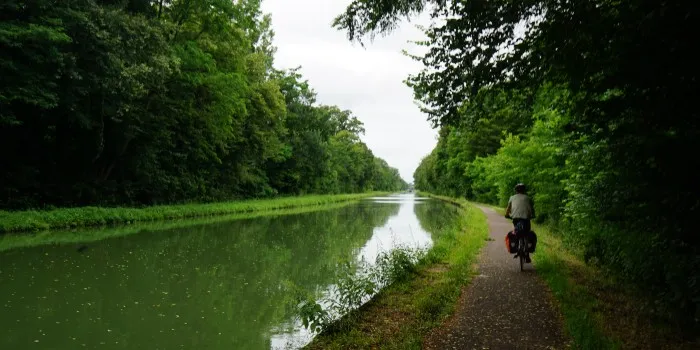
(502, 308)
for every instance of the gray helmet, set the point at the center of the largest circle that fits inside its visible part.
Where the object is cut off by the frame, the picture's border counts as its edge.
(520, 188)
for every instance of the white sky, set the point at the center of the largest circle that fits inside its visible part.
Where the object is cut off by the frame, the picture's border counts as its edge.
(368, 81)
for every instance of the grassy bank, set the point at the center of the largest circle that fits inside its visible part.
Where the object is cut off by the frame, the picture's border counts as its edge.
(599, 311)
(37, 220)
(86, 235)
(401, 315)
(570, 281)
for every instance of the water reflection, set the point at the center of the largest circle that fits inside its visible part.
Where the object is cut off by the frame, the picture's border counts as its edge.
(215, 286)
(404, 228)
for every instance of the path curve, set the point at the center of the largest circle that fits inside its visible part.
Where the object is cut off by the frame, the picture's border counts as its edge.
(485, 318)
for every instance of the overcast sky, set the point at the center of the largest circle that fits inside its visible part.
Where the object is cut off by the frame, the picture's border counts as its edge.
(368, 81)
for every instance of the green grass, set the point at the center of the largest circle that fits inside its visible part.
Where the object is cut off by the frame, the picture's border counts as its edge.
(401, 315)
(558, 268)
(37, 220)
(84, 235)
(599, 311)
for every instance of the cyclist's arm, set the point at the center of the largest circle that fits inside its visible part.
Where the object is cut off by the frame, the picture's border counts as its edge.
(532, 205)
(508, 209)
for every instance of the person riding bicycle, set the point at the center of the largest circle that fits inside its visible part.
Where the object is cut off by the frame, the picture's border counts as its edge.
(521, 210)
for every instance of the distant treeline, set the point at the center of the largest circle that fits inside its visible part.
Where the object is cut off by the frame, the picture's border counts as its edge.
(140, 102)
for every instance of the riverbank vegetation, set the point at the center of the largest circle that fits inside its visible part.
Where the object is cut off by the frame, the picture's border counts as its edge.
(589, 104)
(84, 235)
(151, 102)
(422, 295)
(36, 220)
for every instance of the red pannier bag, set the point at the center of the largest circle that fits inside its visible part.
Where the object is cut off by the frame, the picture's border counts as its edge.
(511, 243)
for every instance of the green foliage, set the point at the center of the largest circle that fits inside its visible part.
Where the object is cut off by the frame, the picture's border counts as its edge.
(37, 220)
(355, 285)
(398, 264)
(570, 179)
(20, 239)
(602, 150)
(579, 308)
(132, 102)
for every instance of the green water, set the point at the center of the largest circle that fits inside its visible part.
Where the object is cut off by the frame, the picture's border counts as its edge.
(225, 285)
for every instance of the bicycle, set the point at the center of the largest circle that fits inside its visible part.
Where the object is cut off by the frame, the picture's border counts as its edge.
(522, 245)
(523, 249)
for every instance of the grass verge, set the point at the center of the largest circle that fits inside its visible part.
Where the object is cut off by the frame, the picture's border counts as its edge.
(599, 311)
(85, 235)
(401, 315)
(37, 220)
(559, 269)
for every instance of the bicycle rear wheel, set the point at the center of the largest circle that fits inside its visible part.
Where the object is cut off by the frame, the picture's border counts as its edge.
(521, 253)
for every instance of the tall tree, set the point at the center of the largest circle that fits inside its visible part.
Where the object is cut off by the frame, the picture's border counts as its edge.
(628, 117)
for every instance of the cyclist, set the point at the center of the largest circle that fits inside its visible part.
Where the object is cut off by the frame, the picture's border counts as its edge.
(521, 210)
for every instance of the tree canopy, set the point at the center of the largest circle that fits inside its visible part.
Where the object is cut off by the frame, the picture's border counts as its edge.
(588, 102)
(115, 102)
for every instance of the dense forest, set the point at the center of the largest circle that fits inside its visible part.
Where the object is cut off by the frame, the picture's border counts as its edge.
(140, 102)
(590, 103)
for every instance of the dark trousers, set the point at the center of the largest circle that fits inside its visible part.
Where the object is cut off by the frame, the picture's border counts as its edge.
(526, 227)
(525, 223)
